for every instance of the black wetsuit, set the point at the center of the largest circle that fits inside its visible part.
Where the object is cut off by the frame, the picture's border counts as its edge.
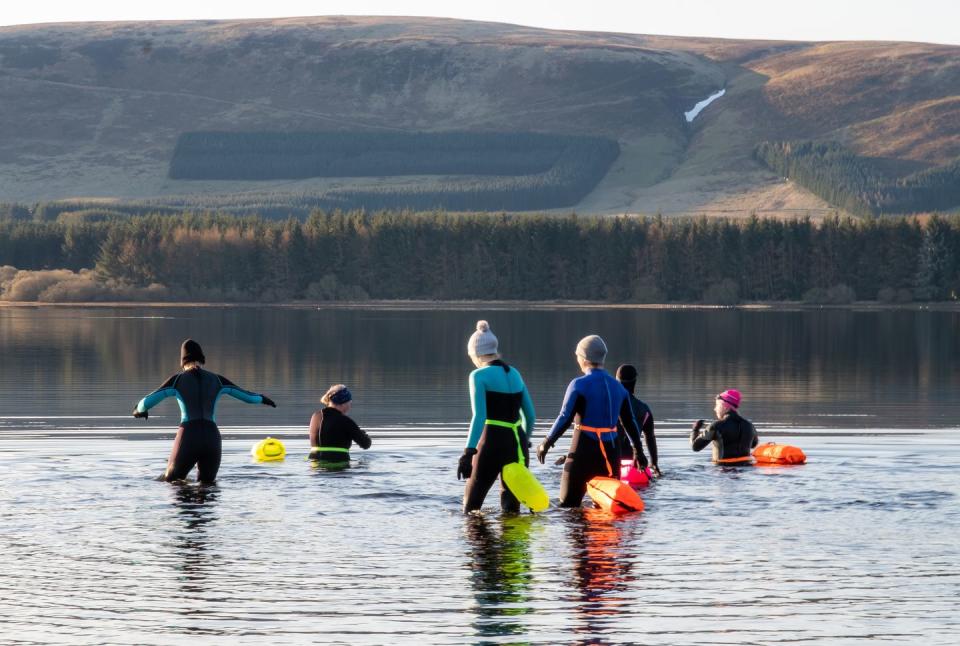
(644, 417)
(337, 431)
(733, 437)
(497, 395)
(198, 438)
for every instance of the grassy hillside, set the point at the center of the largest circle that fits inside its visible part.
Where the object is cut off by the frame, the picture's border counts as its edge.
(95, 110)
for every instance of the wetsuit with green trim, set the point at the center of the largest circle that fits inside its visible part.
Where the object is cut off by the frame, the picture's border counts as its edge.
(733, 437)
(644, 417)
(198, 438)
(596, 401)
(503, 417)
(330, 440)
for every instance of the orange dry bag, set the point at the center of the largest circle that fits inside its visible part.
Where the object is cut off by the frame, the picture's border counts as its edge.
(614, 495)
(778, 454)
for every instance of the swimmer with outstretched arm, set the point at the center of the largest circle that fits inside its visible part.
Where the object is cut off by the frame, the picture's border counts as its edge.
(198, 440)
(732, 436)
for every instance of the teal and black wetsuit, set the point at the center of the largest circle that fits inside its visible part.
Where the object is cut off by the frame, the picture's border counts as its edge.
(198, 438)
(503, 415)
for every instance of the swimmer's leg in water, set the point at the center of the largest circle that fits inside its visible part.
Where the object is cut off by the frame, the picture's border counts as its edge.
(198, 443)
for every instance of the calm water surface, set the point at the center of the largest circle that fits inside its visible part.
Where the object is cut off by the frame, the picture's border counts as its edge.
(860, 545)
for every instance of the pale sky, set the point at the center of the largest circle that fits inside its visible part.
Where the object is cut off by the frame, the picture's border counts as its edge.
(935, 21)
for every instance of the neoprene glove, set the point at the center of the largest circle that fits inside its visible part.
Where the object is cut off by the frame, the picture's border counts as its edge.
(267, 401)
(465, 465)
(139, 415)
(639, 460)
(542, 451)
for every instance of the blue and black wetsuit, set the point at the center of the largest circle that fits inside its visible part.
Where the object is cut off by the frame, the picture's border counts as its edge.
(596, 401)
(198, 438)
(503, 416)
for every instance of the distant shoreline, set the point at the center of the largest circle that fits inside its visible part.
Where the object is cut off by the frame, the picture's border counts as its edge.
(425, 305)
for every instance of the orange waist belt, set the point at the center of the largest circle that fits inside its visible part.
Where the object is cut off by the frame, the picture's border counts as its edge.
(744, 459)
(603, 450)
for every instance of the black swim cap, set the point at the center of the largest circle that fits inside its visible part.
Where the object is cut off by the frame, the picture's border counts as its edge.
(627, 372)
(190, 351)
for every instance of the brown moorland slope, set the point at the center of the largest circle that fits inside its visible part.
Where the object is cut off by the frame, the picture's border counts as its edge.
(95, 110)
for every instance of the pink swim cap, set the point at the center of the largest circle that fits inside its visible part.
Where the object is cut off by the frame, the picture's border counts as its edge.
(731, 397)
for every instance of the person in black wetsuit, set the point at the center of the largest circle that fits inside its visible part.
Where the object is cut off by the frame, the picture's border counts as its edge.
(331, 431)
(627, 375)
(732, 436)
(197, 391)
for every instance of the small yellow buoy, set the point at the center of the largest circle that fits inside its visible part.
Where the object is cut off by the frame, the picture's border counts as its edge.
(268, 450)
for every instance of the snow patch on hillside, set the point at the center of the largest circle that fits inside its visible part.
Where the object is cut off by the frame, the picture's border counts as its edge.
(697, 109)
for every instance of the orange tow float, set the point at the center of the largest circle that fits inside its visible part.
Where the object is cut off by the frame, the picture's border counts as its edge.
(608, 492)
(772, 453)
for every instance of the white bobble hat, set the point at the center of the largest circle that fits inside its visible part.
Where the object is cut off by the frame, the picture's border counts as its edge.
(483, 341)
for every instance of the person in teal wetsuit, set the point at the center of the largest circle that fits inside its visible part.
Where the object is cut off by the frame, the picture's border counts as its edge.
(197, 391)
(503, 418)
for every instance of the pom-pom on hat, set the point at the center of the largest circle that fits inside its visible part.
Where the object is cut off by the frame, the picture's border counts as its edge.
(483, 341)
(730, 397)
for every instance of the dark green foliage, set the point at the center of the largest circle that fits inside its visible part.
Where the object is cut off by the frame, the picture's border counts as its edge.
(407, 255)
(527, 170)
(856, 184)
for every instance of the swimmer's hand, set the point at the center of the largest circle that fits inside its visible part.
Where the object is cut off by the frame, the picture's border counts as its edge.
(639, 460)
(139, 415)
(697, 425)
(542, 451)
(656, 471)
(465, 465)
(267, 401)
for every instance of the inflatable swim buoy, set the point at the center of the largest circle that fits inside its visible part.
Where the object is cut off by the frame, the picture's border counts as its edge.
(525, 486)
(613, 495)
(268, 450)
(772, 453)
(634, 477)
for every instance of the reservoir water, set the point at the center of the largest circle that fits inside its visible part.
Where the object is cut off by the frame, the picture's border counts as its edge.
(859, 545)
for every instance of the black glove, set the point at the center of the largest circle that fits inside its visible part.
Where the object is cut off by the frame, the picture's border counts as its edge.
(465, 465)
(267, 401)
(639, 460)
(139, 415)
(542, 451)
(697, 425)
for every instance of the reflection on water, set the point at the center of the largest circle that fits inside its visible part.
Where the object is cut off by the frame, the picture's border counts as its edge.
(603, 571)
(501, 572)
(896, 367)
(196, 508)
(858, 546)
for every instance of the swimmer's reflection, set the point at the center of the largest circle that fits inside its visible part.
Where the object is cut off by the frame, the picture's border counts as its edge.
(196, 508)
(602, 573)
(501, 572)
